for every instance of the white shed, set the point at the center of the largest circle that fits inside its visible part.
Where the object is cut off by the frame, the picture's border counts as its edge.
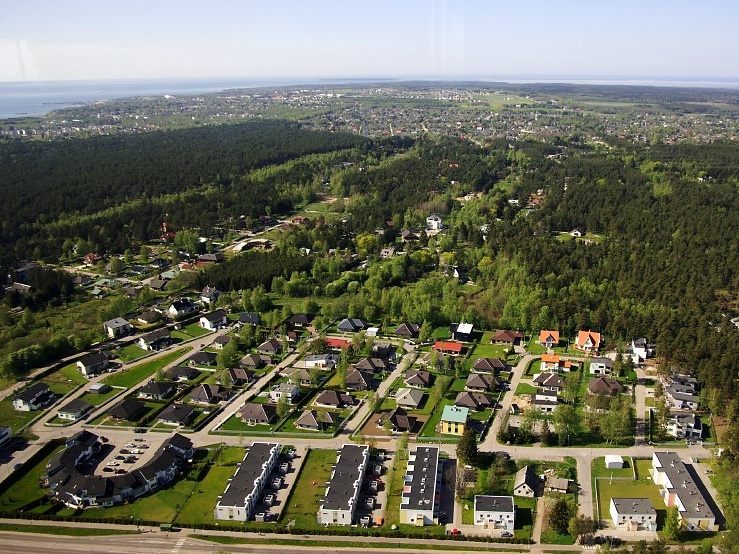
(614, 462)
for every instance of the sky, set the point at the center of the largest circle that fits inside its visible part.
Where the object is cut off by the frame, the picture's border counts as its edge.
(50, 40)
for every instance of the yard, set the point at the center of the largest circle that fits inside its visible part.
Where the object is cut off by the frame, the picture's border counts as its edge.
(237, 425)
(131, 352)
(194, 330)
(26, 489)
(629, 489)
(309, 488)
(72, 373)
(599, 469)
(525, 388)
(486, 350)
(129, 377)
(10, 416)
(95, 399)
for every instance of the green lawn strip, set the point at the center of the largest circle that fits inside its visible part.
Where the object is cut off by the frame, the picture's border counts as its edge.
(131, 352)
(486, 350)
(71, 531)
(552, 537)
(195, 331)
(308, 489)
(95, 399)
(525, 510)
(332, 544)
(642, 466)
(525, 388)
(532, 367)
(429, 428)
(130, 377)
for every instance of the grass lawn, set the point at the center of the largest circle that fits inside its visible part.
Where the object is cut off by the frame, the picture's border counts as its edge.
(525, 388)
(10, 416)
(309, 488)
(486, 350)
(131, 352)
(60, 383)
(550, 536)
(630, 489)
(71, 373)
(599, 469)
(27, 488)
(642, 469)
(70, 531)
(194, 330)
(534, 366)
(429, 428)
(235, 423)
(130, 377)
(95, 399)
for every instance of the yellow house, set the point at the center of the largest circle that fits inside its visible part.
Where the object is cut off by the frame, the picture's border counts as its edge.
(453, 420)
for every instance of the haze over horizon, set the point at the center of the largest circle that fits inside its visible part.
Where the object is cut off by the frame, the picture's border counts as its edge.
(43, 40)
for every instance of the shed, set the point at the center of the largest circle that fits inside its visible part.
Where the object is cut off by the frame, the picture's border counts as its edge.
(614, 462)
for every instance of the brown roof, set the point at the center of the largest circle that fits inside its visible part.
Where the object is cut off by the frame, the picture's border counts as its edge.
(604, 385)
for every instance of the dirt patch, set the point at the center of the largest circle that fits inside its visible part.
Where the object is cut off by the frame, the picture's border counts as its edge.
(371, 429)
(720, 426)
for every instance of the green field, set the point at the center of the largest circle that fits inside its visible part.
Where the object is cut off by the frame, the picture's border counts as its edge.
(95, 399)
(309, 488)
(26, 489)
(194, 330)
(131, 352)
(71, 373)
(525, 388)
(130, 377)
(10, 416)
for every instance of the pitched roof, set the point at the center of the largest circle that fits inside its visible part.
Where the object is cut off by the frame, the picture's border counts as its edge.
(448, 346)
(604, 385)
(334, 398)
(549, 380)
(479, 381)
(316, 418)
(473, 400)
(259, 412)
(488, 364)
(400, 419)
(506, 335)
(359, 377)
(526, 475)
(215, 317)
(585, 337)
(409, 397)
(177, 413)
(250, 317)
(417, 378)
(408, 330)
(549, 336)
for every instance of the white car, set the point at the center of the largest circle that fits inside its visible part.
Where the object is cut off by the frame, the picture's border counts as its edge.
(112, 463)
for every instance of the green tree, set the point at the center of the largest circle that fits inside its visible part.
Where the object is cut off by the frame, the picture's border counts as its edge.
(672, 524)
(282, 406)
(559, 517)
(467, 448)
(116, 265)
(580, 526)
(229, 355)
(128, 256)
(145, 253)
(566, 424)
(424, 333)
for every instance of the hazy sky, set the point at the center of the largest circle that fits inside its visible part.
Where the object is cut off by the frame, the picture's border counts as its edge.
(127, 39)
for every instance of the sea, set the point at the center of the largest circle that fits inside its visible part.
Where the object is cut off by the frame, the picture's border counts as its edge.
(39, 98)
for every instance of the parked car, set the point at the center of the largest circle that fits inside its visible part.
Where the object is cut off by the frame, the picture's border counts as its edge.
(506, 534)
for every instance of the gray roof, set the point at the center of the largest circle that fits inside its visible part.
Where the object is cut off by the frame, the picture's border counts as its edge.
(683, 484)
(177, 413)
(526, 475)
(487, 503)
(116, 323)
(640, 506)
(347, 476)
(409, 397)
(75, 406)
(421, 479)
(246, 479)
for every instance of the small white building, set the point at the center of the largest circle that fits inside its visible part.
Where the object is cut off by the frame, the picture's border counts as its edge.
(495, 512)
(287, 390)
(614, 462)
(434, 223)
(633, 514)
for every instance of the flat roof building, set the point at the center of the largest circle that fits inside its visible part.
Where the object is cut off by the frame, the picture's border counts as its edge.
(338, 505)
(243, 490)
(419, 502)
(495, 512)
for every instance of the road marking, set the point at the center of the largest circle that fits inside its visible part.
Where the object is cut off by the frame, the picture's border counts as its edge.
(178, 545)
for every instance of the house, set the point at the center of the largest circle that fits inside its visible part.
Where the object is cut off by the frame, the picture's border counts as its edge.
(409, 398)
(316, 420)
(93, 363)
(220, 342)
(474, 401)
(678, 397)
(117, 327)
(588, 342)
(156, 390)
(33, 397)
(613, 461)
(253, 413)
(633, 514)
(604, 385)
(495, 512)
(213, 258)
(545, 402)
(387, 252)
(300, 320)
(507, 337)
(351, 325)
(254, 361)
(250, 318)
(400, 421)
(434, 223)
(244, 489)
(358, 380)
(239, 376)
(454, 420)
(417, 378)
(210, 394)
(214, 320)
(373, 365)
(408, 236)
(149, 317)
(640, 350)
(420, 499)
(182, 373)
(481, 382)
(284, 390)
(601, 366)
(92, 258)
(74, 410)
(176, 414)
(156, 340)
(270, 347)
(321, 361)
(209, 295)
(334, 399)
(299, 376)
(680, 489)
(128, 409)
(338, 505)
(549, 339)
(461, 332)
(550, 382)
(408, 330)
(182, 307)
(683, 425)
(448, 347)
(558, 484)
(554, 362)
(526, 482)
(577, 232)
(488, 365)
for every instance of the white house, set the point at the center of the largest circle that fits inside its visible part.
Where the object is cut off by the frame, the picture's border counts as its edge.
(633, 514)
(338, 505)
(287, 390)
(495, 512)
(116, 327)
(683, 425)
(601, 366)
(434, 223)
(214, 320)
(242, 492)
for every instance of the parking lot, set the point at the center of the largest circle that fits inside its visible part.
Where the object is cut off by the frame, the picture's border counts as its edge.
(274, 496)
